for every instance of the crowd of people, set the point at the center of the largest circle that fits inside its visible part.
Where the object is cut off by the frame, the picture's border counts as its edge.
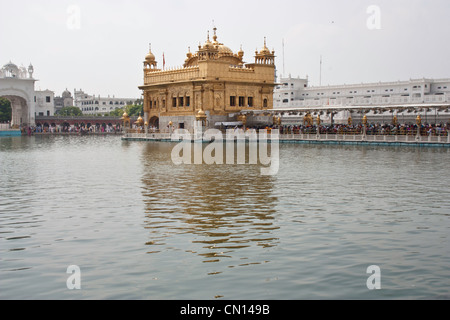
(371, 129)
(74, 129)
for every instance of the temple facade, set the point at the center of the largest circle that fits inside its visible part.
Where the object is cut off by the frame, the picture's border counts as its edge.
(214, 83)
(17, 85)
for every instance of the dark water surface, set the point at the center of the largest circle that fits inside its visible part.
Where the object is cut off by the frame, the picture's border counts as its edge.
(140, 227)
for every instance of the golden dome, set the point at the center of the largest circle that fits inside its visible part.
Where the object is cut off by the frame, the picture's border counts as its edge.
(419, 120)
(189, 54)
(224, 49)
(215, 36)
(265, 50)
(200, 115)
(140, 121)
(208, 44)
(240, 52)
(150, 57)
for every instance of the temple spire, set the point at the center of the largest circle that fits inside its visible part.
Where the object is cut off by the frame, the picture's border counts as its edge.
(215, 35)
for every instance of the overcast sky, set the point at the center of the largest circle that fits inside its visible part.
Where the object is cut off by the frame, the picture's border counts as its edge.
(99, 45)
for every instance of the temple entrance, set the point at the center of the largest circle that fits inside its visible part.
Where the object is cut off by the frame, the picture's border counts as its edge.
(5, 110)
(15, 110)
(154, 122)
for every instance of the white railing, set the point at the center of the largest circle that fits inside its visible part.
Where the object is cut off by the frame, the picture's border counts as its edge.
(365, 138)
(147, 136)
(445, 139)
(358, 100)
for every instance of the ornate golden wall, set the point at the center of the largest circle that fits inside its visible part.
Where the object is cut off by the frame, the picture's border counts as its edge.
(214, 79)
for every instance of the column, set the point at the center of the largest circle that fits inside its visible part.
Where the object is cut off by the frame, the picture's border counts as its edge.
(419, 124)
(146, 122)
(146, 105)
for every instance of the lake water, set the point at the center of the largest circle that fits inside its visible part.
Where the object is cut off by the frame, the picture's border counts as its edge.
(140, 227)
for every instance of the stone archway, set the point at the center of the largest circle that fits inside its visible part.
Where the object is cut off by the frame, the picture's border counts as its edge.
(154, 122)
(17, 86)
(5, 110)
(19, 111)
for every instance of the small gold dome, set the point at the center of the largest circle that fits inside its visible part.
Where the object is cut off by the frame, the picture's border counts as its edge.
(140, 121)
(419, 120)
(208, 44)
(189, 54)
(150, 57)
(224, 49)
(200, 114)
(265, 50)
(241, 52)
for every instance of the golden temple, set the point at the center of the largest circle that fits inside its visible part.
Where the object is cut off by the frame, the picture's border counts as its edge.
(214, 81)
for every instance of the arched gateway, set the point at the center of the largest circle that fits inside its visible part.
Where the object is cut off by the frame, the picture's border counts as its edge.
(17, 85)
(154, 122)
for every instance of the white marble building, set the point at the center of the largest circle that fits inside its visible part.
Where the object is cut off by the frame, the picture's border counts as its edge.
(45, 104)
(92, 104)
(295, 93)
(292, 94)
(17, 85)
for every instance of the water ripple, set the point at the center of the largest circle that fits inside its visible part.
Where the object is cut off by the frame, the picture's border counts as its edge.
(141, 227)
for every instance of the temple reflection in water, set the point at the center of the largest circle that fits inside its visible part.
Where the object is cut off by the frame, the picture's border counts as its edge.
(219, 209)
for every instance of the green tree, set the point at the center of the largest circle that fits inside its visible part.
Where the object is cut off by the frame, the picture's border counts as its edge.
(5, 110)
(135, 110)
(70, 111)
(116, 113)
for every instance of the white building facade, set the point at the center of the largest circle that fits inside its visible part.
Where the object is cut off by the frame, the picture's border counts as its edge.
(92, 104)
(45, 104)
(17, 85)
(295, 94)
